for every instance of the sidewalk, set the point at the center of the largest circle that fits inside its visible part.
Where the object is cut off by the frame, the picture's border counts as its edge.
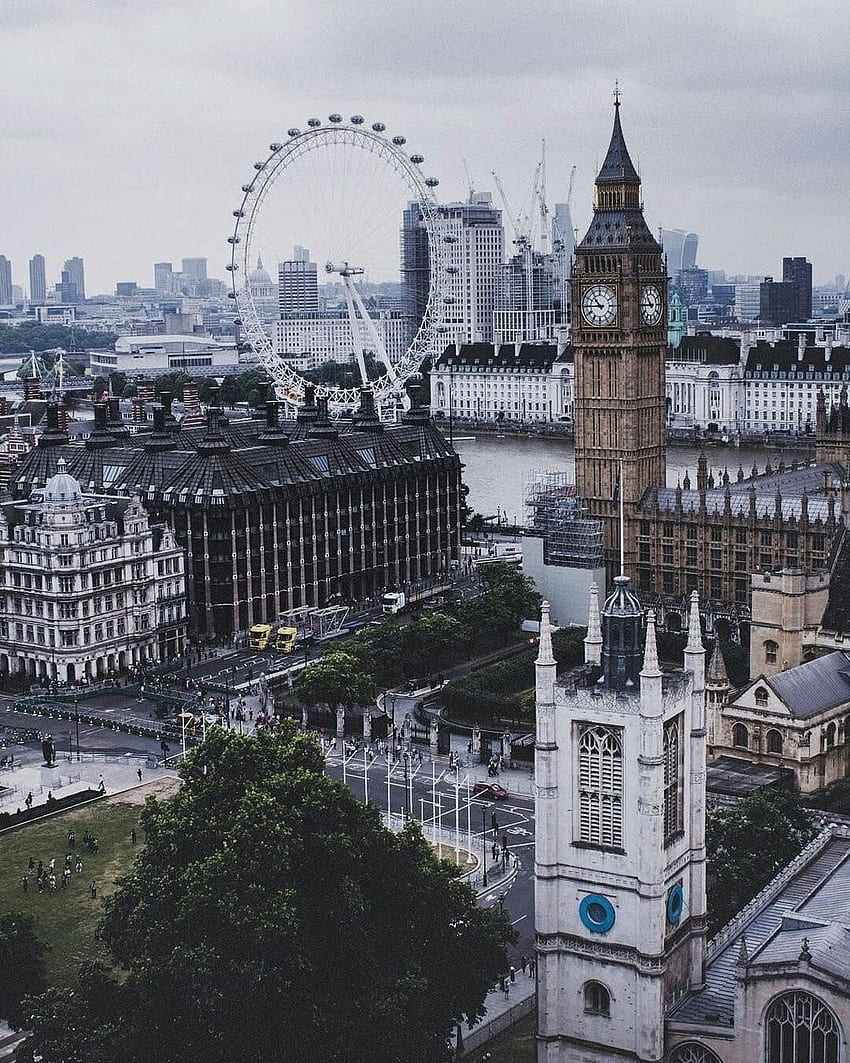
(503, 1010)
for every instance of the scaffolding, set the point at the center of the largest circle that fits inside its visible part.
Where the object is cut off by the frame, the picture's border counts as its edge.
(555, 513)
(311, 622)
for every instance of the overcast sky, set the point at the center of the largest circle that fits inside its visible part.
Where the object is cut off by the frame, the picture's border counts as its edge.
(128, 127)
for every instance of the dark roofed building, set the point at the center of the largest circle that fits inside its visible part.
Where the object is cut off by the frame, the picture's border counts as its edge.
(275, 515)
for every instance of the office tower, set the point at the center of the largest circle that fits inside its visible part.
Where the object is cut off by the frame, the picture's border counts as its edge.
(680, 248)
(163, 277)
(38, 281)
(5, 281)
(473, 247)
(298, 284)
(798, 272)
(779, 302)
(415, 268)
(195, 270)
(563, 245)
(75, 282)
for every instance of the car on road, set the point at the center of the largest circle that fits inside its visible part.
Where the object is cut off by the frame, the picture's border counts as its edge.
(490, 791)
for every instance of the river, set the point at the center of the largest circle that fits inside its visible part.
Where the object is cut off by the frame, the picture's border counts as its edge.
(497, 468)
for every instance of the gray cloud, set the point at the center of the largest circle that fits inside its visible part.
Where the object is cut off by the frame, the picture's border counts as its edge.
(129, 128)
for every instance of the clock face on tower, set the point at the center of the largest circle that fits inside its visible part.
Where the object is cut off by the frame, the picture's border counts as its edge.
(599, 305)
(650, 305)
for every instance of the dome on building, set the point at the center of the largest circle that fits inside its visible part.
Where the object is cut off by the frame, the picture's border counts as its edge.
(259, 277)
(621, 601)
(63, 487)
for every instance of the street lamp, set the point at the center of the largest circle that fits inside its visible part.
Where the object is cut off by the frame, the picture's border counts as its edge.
(77, 724)
(484, 840)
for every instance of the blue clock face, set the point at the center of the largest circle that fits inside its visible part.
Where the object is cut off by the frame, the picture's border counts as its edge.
(675, 903)
(597, 913)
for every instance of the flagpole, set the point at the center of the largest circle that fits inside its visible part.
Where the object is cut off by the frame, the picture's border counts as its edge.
(622, 526)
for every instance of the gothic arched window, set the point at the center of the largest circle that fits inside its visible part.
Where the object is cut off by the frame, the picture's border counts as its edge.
(829, 735)
(692, 1052)
(761, 696)
(597, 999)
(800, 1029)
(771, 651)
(600, 781)
(774, 741)
(673, 812)
(740, 736)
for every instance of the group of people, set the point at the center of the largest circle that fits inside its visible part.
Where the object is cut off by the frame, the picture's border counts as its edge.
(48, 878)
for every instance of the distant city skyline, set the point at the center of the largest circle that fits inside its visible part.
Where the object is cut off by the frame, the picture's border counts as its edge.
(736, 116)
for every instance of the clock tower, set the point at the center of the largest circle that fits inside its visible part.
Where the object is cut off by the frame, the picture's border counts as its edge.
(619, 338)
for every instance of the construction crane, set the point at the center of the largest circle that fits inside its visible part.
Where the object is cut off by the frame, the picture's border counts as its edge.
(469, 183)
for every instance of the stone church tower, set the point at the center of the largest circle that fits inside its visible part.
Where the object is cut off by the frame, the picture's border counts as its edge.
(620, 858)
(619, 337)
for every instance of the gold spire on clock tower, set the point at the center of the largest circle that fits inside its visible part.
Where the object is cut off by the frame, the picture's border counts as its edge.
(619, 335)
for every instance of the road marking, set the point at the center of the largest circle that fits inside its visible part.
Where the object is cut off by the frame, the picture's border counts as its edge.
(517, 830)
(515, 921)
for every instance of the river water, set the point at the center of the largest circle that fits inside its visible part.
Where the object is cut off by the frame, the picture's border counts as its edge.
(497, 468)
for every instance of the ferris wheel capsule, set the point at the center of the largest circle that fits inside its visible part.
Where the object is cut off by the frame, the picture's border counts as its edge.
(239, 214)
(451, 269)
(357, 119)
(259, 166)
(233, 240)
(378, 127)
(237, 321)
(449, 239)
(275, 146)
(335, 118)
(417, 159)
(314, 123)
(432, 182)
(293, 132)
(398, 141)
(231, 295)
(248, 188)
(231, 267)
(449, 300)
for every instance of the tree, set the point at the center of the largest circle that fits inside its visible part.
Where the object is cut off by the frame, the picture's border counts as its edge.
(269, 908)
(336, 679)
(435, 640)
(22, 961)
(747, 844)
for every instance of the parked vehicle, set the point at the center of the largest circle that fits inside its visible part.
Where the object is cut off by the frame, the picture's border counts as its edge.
(259, 636)
(285, 639)
(393, 602)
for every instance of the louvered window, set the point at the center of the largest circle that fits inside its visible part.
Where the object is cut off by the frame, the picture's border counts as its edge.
(601, 786)
(673, 811)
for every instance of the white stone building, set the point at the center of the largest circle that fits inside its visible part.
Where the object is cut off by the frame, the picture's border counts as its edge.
(624, 970)
(703, 381)
(524, 383)
(89, 587)
(309, 340)
(155, 355)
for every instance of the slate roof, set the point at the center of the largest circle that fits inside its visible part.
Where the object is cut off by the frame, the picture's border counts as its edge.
(814, 686)
(818, 881)
(766, 360)
(505, 356)
(618, 166)
(706, 349)
(836, 616)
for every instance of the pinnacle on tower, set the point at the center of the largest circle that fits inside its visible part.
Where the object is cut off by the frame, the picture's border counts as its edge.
(716, 674)
(618, 167)
(593, 639)
(651, 668)
(694, 629)
(544, 653)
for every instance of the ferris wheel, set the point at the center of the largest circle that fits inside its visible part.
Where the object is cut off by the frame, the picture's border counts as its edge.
(339, 190)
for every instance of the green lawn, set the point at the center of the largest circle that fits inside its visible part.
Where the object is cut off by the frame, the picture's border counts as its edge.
(66, 919)
(515, 1045)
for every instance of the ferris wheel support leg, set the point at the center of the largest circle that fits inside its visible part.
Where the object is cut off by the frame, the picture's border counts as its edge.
(350, 296)
(380, 349)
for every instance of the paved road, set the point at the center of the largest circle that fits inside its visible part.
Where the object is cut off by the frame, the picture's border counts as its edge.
(433, 798)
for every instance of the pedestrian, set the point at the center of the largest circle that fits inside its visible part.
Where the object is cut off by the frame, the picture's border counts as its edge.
(67, 859)
(31, 864)
(28, 801)
(513, 974)
(40, 883)
(506, 986)
(52, 863)
(133, 835)
(25, 883)
(93, 890)
(78, 867)
(72, 839)
(523, 962)
(52, 882)
(40, 867)
(101, 785)
(139, 773)
(66, 874)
